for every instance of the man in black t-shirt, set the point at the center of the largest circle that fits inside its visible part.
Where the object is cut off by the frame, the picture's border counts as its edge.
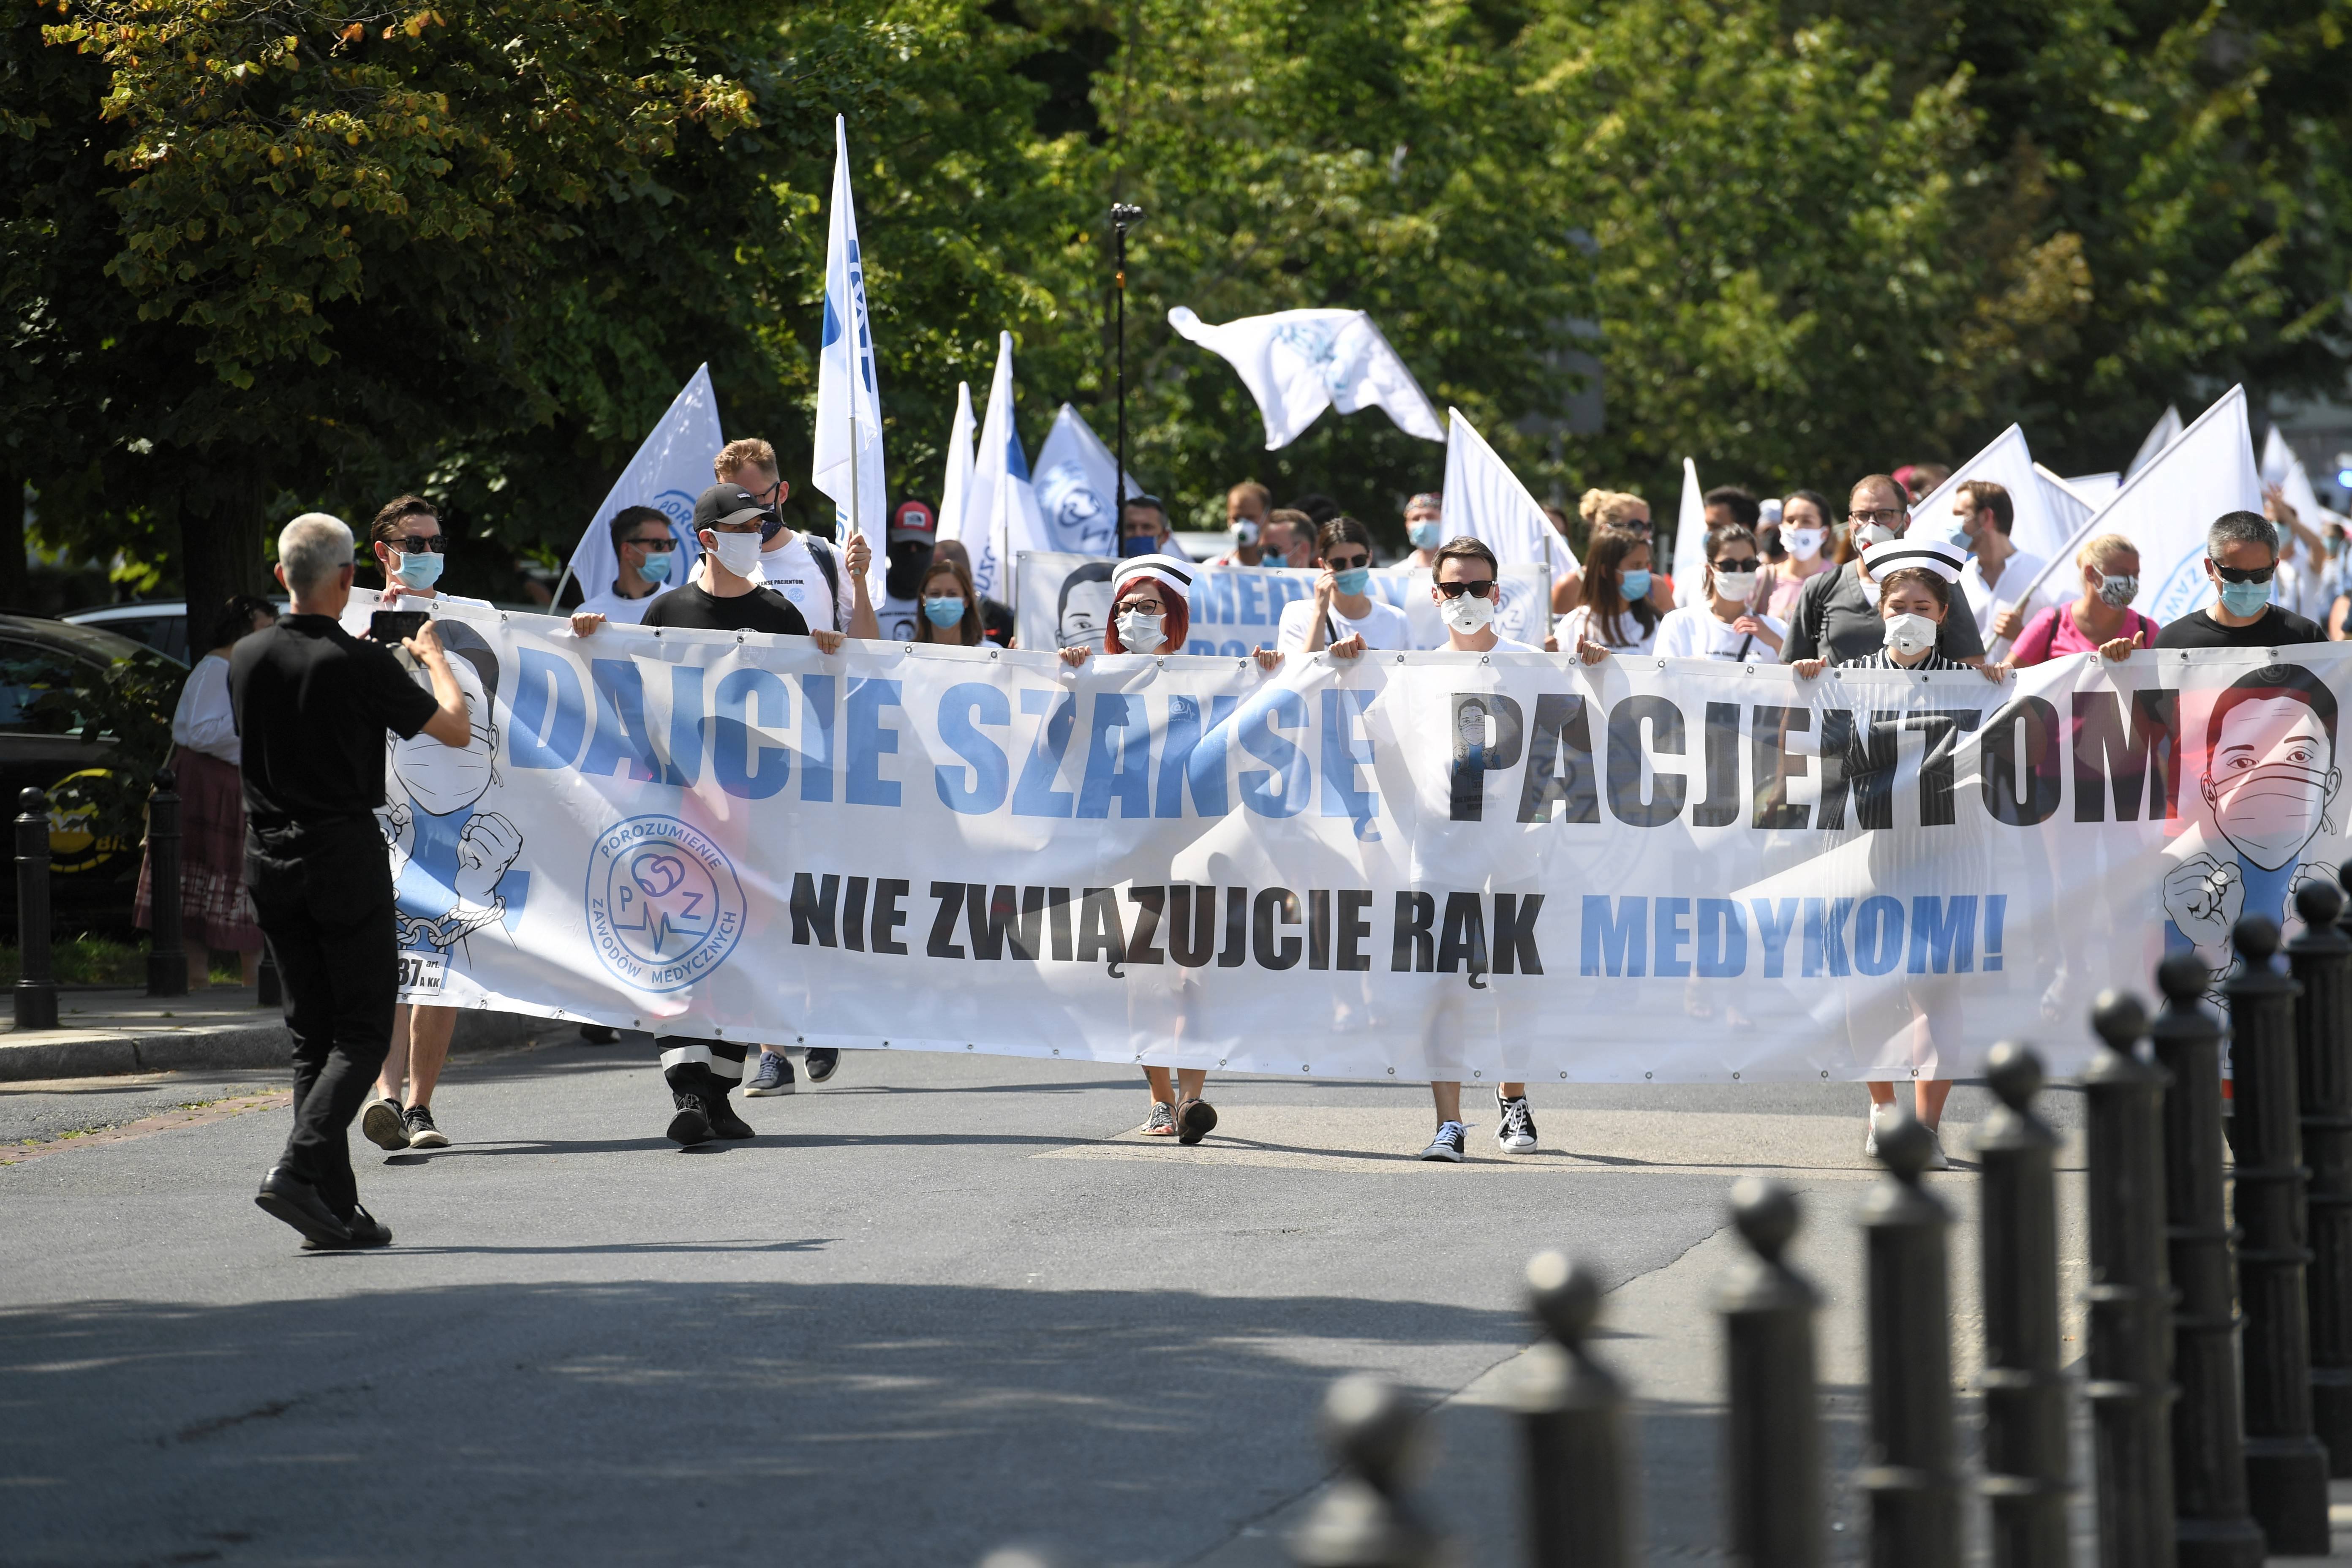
(2241, 560)
(312, 704)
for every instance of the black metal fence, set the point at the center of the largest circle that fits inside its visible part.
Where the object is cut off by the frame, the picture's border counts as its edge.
(167, 956)
(2218, 1376)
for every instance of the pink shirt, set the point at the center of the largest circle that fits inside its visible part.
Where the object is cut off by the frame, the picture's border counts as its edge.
(2053, 634)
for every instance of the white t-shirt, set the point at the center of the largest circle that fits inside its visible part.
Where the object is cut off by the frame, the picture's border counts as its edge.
(1570, 632)
(1696, 632)
(204, 721)
(792, 572)
(623, 612)
(1988, 599)
(1385, 629)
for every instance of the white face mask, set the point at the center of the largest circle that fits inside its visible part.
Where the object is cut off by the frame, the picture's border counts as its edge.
(739, 552)
(1738, 586)
(1804, 543)
(1466, 614)
(1909, 633)
(1138, 630)
(1876, 533)
(1244, 531)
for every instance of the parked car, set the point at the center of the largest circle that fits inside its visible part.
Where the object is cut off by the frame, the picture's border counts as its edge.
(93, 866)
(161, 623)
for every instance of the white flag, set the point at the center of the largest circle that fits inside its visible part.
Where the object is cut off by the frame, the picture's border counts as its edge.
(2162, 433)
(1000, 508)
(958, 487)
(848, 461)
(1485, 500)
(2066, 503)
(2282, 468)
(2096, 489)
(1690, 538)
(2166, 508)
(2007, 463)
(671, 469)
(1075, 475)
(1297, 364)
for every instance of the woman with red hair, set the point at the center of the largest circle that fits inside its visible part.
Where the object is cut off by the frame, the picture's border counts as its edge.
(1150, 615)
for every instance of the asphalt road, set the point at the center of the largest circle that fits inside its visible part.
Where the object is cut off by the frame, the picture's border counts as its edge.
(940, 1303)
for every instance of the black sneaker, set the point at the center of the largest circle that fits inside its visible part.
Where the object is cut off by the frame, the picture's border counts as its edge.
(422, 1133)
(1448, 1144)
(691, 1125)
(724, 1123)
(380, 1124)
(366, 1231)
(1517, 1133)
(287, 1197)
(772, 1075)
(1195, 1120)
(820, 1062)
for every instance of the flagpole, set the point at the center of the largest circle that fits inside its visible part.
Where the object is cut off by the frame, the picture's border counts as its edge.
(1121, 216)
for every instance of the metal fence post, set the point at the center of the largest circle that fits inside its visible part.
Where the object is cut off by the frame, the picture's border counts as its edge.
(37, 986)
(1580, 1501)
(1772, 1494)
(2211, 1525)
(2286, 1468)
(167, 957)
(2024, 1392)
(2130, 1297)
(1364, 1519)
(2322, 958)
(1907, 1465)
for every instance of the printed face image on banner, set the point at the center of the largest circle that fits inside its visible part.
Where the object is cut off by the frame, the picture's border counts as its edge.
(1082, 606)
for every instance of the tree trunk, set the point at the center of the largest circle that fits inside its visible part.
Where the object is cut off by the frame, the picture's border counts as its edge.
(221, 535)
(14, 589)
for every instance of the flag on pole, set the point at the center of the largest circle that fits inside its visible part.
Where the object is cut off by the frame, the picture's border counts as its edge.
(2282, 468)
(671, 467)
(1297, 364)
(1690, 538)
(2007, 462)
(1485, 500)
(849, 462)
(1000, 508)
(2068, 507)
(2165, 507)
(2163, 434)
(1076, 473)
(2096, 489)
(958, 487)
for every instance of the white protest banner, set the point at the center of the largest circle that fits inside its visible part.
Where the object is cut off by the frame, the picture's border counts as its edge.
(1297, 364)
(1076, 475)
(1485, 500)
(670, 469)
(847, 461)
(2162, 433)
(1690, 537)
(957, 486)
(1416, 865)
(2165, 509)
(1066, 601)
(999, 508)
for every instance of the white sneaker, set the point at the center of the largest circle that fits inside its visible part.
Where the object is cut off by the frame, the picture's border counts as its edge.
(1935, 1158)
(1870, 1139)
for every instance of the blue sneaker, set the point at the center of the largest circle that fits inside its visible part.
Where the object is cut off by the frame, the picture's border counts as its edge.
(774, 1077)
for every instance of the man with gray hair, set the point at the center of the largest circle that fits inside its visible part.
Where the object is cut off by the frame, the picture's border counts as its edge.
(312, 704)
(2241, 558)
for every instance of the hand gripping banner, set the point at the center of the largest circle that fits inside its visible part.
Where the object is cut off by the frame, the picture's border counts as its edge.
(1427, 864)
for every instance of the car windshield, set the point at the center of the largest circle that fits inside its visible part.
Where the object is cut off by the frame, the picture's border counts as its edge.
(29, 672)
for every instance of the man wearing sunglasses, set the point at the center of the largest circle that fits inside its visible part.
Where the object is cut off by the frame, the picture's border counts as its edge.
(825, 583)
(647, 551)
(410, 550)
(2240, 559)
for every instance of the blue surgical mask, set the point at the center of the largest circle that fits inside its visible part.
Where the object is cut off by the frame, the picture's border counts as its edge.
(1636, 582)
(944, 613)
(656, 566)
(1426, 535)
(2245, 598)
(1138, 544)
(1353, 581)
(421, 570)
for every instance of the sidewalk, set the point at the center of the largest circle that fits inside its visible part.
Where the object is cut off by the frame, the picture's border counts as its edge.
(105, 1031)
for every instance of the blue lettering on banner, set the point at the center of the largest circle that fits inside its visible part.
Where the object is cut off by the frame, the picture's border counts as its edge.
(548, 717)
(742, 767)
(1878, 935)
(1619, 938)
(1667, 944)
(1119, 758)
(1708, 938)
(1943, 934)
(685, 765)
(979, 786)
(869, 742)
(1345, 753)
(621, 735)
(1285, 785)
(816, 737)
(1773, 924)
(1036, 795)
(1190, 754)
(1722, 939)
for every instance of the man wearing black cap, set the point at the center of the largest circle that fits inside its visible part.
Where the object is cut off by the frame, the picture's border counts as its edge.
(913, 528)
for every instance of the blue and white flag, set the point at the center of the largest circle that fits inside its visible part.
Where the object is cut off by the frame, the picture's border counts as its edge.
(959, 476)
(671, 469)
(1297, 364)
(849, 462)
(1076, 473)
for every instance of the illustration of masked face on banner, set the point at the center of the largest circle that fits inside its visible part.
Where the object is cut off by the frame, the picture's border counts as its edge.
(2271, 775)
(1085, 606)
(444, 779)
(1078, 515)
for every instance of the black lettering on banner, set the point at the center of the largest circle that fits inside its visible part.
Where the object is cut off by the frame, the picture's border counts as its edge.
(1191, 925)
(1319, 928)
(1058, 916)
(1101, 938)
(1515, 934)
(2106, 758)
(1149, 903)
(812, 909)
(853, 915)
(2021, 786)
(942, 942)
(1464, 935)
(1774, 764)
(1354, 927)
(1411, 946)
(1236, 948)
(888, 916)
(1721, 807)
(990, 918)
(1275, 905)
(1857, 760)
(1665, 721)
(1475, 755)
(1559, 764)
(1943, 727)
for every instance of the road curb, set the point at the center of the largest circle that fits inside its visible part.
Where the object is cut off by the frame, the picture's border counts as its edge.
(110, 1053)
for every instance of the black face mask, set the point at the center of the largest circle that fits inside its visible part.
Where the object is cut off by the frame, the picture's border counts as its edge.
(908, 560)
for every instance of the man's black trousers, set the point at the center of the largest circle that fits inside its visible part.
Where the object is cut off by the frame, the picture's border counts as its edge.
(323, 895)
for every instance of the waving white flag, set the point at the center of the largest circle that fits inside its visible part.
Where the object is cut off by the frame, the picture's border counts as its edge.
(958, 488)
(1485, 500)
(2063, 500)
(1000, 508)
(2166, 508)
(2096, 489)
(2160, 435)
(1075, 475)
(1690, 538)
(2282, 468)
(848, 461)
(1297, 364)
(2007, 462)
(671, 467)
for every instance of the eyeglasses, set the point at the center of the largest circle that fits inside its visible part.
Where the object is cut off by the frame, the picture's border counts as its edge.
(664, 543)
(1346, 562)
(1878, 515)
(418, 544)
(1738, 563)
(2244, 574)
(1475, 590)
